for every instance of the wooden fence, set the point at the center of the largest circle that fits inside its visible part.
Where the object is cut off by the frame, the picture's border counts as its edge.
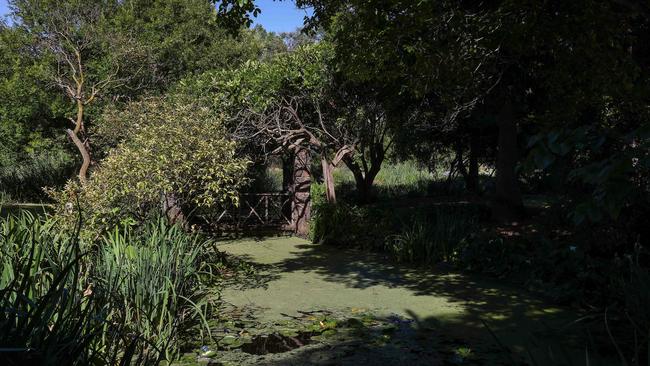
(256, 210)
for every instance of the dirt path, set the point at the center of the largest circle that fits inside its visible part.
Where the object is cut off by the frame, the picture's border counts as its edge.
(296, 276)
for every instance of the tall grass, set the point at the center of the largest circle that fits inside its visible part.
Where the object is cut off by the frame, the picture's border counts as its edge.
(125, 298)
(433, 236)
(155, 281)
(46, 317)
(24, 181)
(398, 179)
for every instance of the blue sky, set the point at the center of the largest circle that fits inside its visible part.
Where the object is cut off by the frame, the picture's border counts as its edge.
(3, 8)
(277, 16)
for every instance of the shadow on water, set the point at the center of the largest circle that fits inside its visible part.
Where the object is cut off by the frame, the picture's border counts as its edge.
(493, 315)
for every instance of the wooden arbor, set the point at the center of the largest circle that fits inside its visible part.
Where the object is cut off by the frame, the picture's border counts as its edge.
(289, 210)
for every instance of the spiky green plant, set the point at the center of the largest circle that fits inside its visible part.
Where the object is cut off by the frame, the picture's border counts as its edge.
(126, 297)
(155, 279)
(432, 236)
(46, 316)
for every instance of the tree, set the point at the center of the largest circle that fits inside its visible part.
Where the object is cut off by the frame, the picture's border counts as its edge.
(282, 104)
(186, 37)
(365, 120)
(436, 57)
(236, 13)
(88, 57)
(526, 66)
(294, 101)
(30, 111)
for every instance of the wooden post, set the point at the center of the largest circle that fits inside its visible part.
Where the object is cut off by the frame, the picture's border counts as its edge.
(330, 192)
(301, 201)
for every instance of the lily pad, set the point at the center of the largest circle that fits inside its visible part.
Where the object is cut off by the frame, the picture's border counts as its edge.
(228, 340)
(329, 333)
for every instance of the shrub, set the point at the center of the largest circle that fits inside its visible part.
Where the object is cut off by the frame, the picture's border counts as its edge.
(174, 148)
(426, 235)
(341, 224)
(432, 236)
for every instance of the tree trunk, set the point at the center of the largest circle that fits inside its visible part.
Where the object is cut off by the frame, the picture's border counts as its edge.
(364, 186)
(82, 146)
(173, 210)
(508, 204)
(328, 177)
(472, 175)
(459, 161)
(287, 181)
(363, 180)
(301, 204)
(287, 172)
(366, 172)
(368, 181)
(85, 155)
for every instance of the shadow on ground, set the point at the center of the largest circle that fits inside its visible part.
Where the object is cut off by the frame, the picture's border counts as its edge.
(296, 275)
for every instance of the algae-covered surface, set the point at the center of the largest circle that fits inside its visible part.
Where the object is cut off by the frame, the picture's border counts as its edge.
(309, 304)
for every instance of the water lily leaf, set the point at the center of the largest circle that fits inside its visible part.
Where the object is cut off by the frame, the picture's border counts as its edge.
(228, 340)
(329, 333)
(288, 333)
(209, 354)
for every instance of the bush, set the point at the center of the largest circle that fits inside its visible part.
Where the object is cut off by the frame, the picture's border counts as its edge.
(433, 236)
(174, 148)
(426, 235)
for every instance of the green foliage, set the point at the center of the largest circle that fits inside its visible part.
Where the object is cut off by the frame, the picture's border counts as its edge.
(24, 182)
(434, 237)
(400, 180)
(143, 46)
(300, 73)
(124, 297)
(30, 110)
(169, 147)
(47, 318)
(155, 279)
(236, 13)
(604, 186)
(427, 235)
(342, 224)
(636, 292)
(185, 38)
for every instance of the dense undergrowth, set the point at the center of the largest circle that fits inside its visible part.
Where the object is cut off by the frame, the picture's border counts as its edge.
(606, 277)
(125, 298)
(24, 181)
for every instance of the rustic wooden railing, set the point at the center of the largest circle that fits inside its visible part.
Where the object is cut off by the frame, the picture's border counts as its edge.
(256, 210)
